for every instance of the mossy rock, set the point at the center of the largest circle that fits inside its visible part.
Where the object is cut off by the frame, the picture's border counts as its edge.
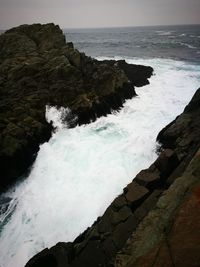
(38, 68)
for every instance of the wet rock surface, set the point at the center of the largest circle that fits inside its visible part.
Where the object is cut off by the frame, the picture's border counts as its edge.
(38, 68)
(147, 223)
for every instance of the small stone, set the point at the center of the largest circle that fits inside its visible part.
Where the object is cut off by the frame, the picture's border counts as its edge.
(135, 192)
(119, 202)
(166, 162)
(148, 178)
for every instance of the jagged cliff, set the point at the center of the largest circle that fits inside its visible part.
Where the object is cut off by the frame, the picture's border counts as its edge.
(155, 221)
(38, 68)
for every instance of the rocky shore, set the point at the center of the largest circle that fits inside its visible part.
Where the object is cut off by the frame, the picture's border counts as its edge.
(155, 221)
(38, 68)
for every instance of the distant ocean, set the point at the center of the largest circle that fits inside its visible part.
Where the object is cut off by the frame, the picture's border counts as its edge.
(80, 171)
(169, 42)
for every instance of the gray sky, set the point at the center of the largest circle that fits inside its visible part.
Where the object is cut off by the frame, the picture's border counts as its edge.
(99, 13)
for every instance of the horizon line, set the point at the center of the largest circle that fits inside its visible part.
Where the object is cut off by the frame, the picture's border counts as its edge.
(106, 27)
(113, 27)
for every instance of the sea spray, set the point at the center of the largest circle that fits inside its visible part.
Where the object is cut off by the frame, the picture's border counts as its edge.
(60, 117)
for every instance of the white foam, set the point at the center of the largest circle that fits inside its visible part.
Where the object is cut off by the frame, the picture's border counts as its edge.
(79, 171)
(57, 116)
(188, 45)
(164, 33)
(182, 35)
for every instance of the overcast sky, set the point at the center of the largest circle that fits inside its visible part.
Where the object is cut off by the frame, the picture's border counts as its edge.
(99, 13)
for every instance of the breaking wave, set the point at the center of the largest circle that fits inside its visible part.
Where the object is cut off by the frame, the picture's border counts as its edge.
(80, 170)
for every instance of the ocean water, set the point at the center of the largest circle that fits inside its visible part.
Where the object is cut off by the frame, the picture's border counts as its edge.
(168, 42)
(81, 170)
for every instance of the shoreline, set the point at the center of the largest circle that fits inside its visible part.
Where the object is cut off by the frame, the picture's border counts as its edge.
(102, 242)
(39, 68)
(111, 240)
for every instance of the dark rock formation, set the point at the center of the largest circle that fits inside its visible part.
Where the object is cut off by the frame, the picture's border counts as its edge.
(169, 234)
(38, 68)
(136, 229)
(182, 134)
(135, 73)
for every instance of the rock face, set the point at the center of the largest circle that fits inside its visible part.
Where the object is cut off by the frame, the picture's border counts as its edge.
(135, 73)
(182, 134)
(145, 226)
(169, 234)
(38, 68)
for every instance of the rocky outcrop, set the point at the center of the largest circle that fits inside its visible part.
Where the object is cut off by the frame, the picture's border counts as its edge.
(135, 73)
(182, 134)
(169, 234)
(38, 68)
(141, 226)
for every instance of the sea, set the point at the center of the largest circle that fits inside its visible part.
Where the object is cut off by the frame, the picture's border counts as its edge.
(80, 171)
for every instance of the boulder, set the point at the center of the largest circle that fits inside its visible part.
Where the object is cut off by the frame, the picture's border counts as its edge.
(135, 193)
(166, 162)
(149, 178)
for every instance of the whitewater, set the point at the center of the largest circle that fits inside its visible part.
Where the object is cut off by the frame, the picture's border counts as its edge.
(80, 171)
